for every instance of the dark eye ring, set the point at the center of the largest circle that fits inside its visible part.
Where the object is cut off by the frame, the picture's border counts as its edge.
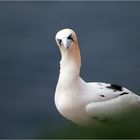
(70, 37)
(59, 41)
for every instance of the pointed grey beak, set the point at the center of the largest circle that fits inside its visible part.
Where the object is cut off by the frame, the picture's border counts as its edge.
(65, 42)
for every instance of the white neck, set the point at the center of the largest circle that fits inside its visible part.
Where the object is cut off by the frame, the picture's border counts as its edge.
(69, 65)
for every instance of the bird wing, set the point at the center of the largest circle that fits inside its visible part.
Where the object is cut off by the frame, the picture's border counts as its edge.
(117, 103)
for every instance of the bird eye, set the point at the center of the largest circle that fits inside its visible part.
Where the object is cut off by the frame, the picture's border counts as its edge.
(70, 37)
(59, 41)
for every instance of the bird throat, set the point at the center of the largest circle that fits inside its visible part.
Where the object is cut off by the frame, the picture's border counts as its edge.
(70, 61)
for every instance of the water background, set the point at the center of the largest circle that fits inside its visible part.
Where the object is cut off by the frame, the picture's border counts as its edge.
(109, 40)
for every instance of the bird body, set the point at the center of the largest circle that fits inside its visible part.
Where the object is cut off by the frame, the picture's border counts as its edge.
(88, 104)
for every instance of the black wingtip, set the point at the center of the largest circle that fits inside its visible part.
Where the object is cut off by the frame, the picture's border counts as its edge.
(115, 87)
(124, 93)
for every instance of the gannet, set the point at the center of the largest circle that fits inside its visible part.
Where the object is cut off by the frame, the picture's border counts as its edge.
(88, 103)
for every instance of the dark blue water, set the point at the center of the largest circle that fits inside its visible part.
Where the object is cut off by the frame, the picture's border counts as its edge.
(108, 34)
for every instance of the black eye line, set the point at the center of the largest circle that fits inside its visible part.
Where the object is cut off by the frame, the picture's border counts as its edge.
(70, 37)
(59, 41)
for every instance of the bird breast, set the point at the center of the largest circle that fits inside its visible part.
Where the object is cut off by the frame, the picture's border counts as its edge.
(66, 101)
(71, 104)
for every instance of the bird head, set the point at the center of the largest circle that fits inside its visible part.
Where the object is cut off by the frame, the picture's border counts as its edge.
(67, 42)
(66, 39)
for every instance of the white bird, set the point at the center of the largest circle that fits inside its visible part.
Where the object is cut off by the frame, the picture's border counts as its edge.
(88, 104)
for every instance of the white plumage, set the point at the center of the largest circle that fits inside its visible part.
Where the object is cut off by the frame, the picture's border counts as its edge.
(88, 104)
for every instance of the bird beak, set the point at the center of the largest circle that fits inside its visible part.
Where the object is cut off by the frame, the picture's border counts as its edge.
(65, 42)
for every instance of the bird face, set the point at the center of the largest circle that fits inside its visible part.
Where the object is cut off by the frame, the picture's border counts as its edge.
(65, 38)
